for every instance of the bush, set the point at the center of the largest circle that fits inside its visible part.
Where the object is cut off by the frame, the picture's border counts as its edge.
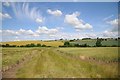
(38, 45)
(67, 44)
(43, 45)
(98, 42)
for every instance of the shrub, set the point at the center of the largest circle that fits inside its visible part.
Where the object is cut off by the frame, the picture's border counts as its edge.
(38, 45)
(98, 42)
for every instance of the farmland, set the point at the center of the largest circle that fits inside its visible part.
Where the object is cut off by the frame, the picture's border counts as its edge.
(109, 42)
(57, 43)
(58, 62)
(48, 43)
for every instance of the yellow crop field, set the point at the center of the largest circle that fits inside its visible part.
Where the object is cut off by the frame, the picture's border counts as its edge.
(48, 43)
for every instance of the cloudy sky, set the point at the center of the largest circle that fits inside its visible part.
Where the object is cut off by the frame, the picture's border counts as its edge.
(49, 21)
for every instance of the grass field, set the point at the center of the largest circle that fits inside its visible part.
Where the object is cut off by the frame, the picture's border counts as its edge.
(11, 55)
(51, 63)
(104, 54)
(93, 42)
(109, 42)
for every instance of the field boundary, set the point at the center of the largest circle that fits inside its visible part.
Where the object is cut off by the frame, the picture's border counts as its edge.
(90, 59)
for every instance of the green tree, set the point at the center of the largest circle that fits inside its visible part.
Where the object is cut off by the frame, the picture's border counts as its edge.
(67, 44)
(38, 45)
(44, 45)
(98, 42)
(7, 45)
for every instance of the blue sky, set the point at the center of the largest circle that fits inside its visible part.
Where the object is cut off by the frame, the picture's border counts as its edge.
(44, 20)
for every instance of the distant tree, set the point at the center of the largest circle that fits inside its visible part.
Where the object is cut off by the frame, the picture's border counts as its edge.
(105, 39)
(43, 45)
(71, 40)
(86, 38)
(38, 45)
(74, 39)
(66, 43)
(61, 39)
(7, 45)
(13, 46)
(76, 45)
(116, 39)
(98, 42)
(32, 45)
(22, 46)
(0, 45)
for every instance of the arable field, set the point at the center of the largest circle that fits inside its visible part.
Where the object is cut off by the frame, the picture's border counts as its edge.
(109, 42)
(47, 43)
(61, 62)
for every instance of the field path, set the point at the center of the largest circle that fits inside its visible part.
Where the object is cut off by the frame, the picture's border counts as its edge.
(51, 63)
(11, 73)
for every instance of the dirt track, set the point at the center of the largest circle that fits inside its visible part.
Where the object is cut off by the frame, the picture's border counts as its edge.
(11, 72)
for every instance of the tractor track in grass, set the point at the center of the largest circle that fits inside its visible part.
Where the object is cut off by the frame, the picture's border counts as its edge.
(87, 59)
(11, 71)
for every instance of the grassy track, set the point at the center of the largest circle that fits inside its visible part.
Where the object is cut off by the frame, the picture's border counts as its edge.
(52, 64)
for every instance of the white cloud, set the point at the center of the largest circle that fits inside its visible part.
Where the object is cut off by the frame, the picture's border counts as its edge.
(113, 30)
(107, 18)
(5, 16)
(55, 13)
(9, 33)
(110, 34)
(73, 35)
(22, 32)
(113, 22)
(26, 32)
(6, 4)
(24, 11)
(78, 24)
(45, 30)
(39, 20)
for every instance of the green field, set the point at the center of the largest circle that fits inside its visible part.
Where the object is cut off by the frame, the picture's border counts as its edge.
(53, 43)
(62, 62)
(109, 42)
(103, 54)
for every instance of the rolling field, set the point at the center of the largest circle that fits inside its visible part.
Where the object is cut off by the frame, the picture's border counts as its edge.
(48, 43)
(93, 42)
(61, 62)
(102, 54)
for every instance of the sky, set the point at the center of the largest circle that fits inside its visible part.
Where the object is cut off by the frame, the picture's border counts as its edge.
(56, 20)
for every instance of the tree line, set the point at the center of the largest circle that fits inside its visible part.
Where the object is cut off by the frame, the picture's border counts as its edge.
(66, 44)
(27, 45)
(97, 44)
